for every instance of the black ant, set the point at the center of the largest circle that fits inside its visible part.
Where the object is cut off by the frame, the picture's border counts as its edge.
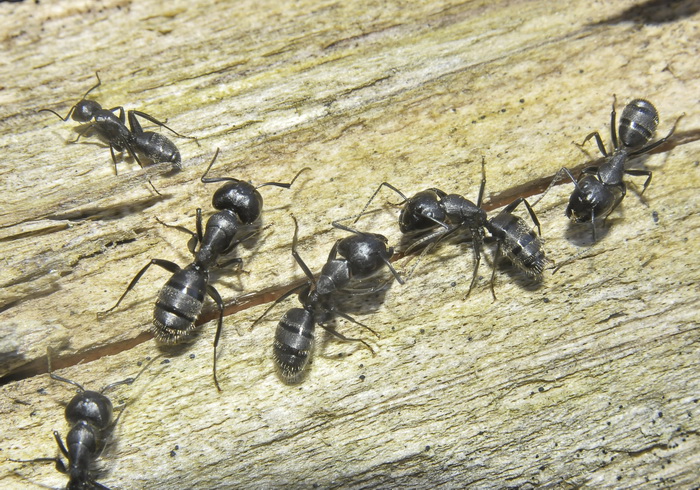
(599, 190)
(353, 258)
(433, 208)
(112, 128)
(180, 302)
(90, 414)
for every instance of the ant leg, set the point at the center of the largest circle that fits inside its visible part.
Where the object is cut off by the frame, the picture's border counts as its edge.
(476, 243)
(334, 251)
(84, 132)
(98, 485)
(434, 238)
(277, 301)
(59, 441)
(171, 267)
(640, 173)
(214, 294)
(394, 272)
(613, 125)
(129, 149)
(598, 141)
(132, 153)
(198, 225)
(285, 185)
(178, 228)
(557, 177)
(595, 239)
(120, 115)
(482, 187)
(296, 255)
(346, 339)
(514, 204)
(114, 158)
(590, 171)
(196, 237)
(494, 265)
(660, 142)
(233, 260)
(60, 465)
(351, 319)
(134, 123)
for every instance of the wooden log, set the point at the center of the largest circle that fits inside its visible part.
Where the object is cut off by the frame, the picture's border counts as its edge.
(589, 378)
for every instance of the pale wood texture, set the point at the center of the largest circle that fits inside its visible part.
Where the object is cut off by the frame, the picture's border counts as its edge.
(590, 379)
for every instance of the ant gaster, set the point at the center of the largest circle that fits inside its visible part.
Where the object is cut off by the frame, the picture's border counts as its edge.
(112, 128)
(90, 415)
(353, 258)
(433, 208)
(599, 190)
(180, 301)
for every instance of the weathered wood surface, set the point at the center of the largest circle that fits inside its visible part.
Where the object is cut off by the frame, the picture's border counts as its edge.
(590, 379)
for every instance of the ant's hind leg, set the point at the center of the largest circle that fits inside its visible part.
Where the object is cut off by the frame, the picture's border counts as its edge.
(133, 123)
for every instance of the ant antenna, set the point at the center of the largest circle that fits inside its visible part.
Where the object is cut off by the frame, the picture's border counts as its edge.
(99, 82)
(210, 180)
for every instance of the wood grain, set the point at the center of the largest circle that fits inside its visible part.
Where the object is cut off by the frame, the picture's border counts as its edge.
(589, 378)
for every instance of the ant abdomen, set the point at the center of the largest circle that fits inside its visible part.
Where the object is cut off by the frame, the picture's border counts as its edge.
(519, 243)
(179, 304)
(157, 148)
(294, 341)
(638, 123)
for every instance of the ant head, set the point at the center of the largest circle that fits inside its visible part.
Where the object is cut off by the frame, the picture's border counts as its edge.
(638, 123)
(241, 198)
(422, 211)
(580, 208)
(304, 295)
(577, 211)
(85, 110)
(593, 200)
(366, 253)
(92, 407)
